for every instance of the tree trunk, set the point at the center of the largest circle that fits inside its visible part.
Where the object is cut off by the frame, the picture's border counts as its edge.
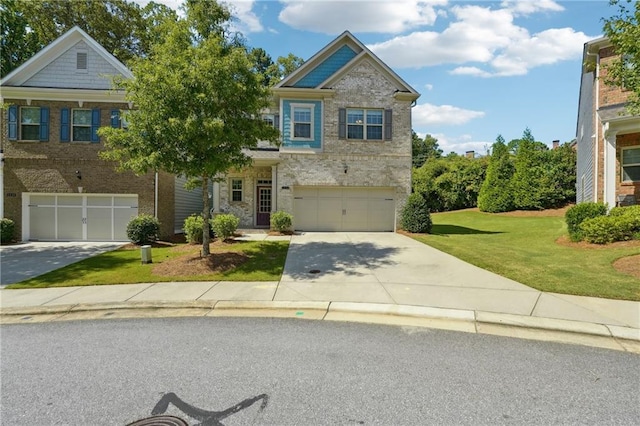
(205, 216)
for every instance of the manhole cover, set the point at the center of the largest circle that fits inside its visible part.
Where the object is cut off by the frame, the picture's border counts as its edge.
(160, 421)
(314, 271)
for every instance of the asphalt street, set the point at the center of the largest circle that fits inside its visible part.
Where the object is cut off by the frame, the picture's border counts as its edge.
(240, 371)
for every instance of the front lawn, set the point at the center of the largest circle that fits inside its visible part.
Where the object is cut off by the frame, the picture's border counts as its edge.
(237, 261)
(526, 250)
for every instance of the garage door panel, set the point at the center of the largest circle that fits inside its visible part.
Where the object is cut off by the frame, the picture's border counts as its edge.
(70, 223)
(344, 209)
(121, 218)
(42, 222)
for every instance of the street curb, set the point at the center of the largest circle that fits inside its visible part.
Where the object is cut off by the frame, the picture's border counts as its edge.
(378, 310)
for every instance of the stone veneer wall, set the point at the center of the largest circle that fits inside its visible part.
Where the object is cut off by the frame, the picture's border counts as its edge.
(245, 209)
(369, 163)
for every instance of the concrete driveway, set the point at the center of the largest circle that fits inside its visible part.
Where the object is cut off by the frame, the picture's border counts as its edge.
(22, 261)
(393, 268)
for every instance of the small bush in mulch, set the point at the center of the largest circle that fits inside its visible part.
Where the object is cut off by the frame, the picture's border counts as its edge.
(579, 213)
(143, 229)
(281, 221)
(7, 229)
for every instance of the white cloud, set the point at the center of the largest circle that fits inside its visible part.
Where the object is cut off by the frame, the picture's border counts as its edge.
(248, 20)
(428, 86)
(430, 115)
(526, 7)
(333, 17)
(486, 36)
(460, 144)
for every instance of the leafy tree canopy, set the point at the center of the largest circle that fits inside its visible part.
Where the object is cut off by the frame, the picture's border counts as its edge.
(197, 105)
(424, 149)
(623, 29)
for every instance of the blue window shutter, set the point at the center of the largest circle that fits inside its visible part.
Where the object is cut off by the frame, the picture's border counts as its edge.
(44, 124)
(95, 125)
(342, 123)
(115, 118)
(13, 122)
(65, 124)
(388, 127)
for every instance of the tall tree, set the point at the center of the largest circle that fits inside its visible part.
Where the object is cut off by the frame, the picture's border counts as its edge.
(284, 66)
(623, 29)
(197, 105)
(495, 194)
(424, 149)
(17, 42)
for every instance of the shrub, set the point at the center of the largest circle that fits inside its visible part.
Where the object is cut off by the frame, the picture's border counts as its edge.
(495, 194)
(623, 211)
(281, 221)
(193, 229)
(143, 229)
(415, 215)
(607, 229)
(7, 228)
(579, 213)
(225, 225)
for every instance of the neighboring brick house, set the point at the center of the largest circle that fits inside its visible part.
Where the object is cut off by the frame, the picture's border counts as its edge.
(608, 138)
(344, 162)
(54, 185)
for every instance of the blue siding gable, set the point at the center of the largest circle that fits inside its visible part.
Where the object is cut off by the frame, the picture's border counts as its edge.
(327, 68)
(287, 134)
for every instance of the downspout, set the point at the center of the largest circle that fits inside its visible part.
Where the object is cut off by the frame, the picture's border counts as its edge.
(1, 183)
(155, 197)
(596, 126)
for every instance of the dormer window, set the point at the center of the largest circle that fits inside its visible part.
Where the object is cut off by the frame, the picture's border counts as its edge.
(81, 61)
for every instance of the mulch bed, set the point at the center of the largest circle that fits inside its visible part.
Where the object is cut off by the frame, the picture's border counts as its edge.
(628, 265)
(197, 265)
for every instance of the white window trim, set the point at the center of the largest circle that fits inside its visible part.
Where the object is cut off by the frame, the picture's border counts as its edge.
(80, 125)
(311, 124)
(20, 124)
(622, 166)
(364, 124)
(231, 190)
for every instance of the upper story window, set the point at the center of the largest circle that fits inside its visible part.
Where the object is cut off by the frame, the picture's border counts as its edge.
(364, 124)
(236, 189)
(27, 123)
(30, 123)
(81, 125)
(631, 164)
(272, 120)
(302, 122)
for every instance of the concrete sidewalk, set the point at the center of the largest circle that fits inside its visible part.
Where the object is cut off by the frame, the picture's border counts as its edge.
(386, 278)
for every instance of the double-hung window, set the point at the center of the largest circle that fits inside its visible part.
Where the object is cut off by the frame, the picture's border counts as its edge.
(631, 164)
(302, 122)
(365, 124)
(81, 125)
(236, 189)
(30, 123)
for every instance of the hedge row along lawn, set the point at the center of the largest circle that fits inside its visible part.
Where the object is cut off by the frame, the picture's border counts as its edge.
(237, 261)
(525, 250)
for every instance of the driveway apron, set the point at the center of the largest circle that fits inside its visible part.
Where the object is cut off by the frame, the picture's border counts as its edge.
(393, 268)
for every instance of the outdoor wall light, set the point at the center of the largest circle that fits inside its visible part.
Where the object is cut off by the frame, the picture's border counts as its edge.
(346, 168)
(78, 174)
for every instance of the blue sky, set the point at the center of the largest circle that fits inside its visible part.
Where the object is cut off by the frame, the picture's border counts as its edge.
(483, 68)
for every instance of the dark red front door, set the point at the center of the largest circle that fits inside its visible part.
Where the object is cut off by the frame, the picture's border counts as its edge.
(264, 206)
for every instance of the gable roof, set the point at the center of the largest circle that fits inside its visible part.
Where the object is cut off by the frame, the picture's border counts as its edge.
(334, 60)
(54, 50)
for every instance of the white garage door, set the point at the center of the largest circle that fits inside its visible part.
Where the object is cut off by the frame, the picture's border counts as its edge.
(343, 209)
(78, 217)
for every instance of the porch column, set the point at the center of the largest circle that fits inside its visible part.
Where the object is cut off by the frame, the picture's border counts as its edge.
(609, 166)
(274, 188)
(216, 197)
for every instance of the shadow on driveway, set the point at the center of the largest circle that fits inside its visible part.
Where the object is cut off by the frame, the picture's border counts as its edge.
(310, 260)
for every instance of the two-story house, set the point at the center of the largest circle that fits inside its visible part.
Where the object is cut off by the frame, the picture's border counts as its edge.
(608, 138)
(344, 163)
(54, 185)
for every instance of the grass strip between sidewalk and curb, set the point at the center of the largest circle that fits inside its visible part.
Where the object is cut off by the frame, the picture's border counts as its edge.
(260, 261)
(526, 249)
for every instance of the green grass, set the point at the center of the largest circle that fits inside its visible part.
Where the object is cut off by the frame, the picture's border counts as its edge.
(525, 250)
(266, 262)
